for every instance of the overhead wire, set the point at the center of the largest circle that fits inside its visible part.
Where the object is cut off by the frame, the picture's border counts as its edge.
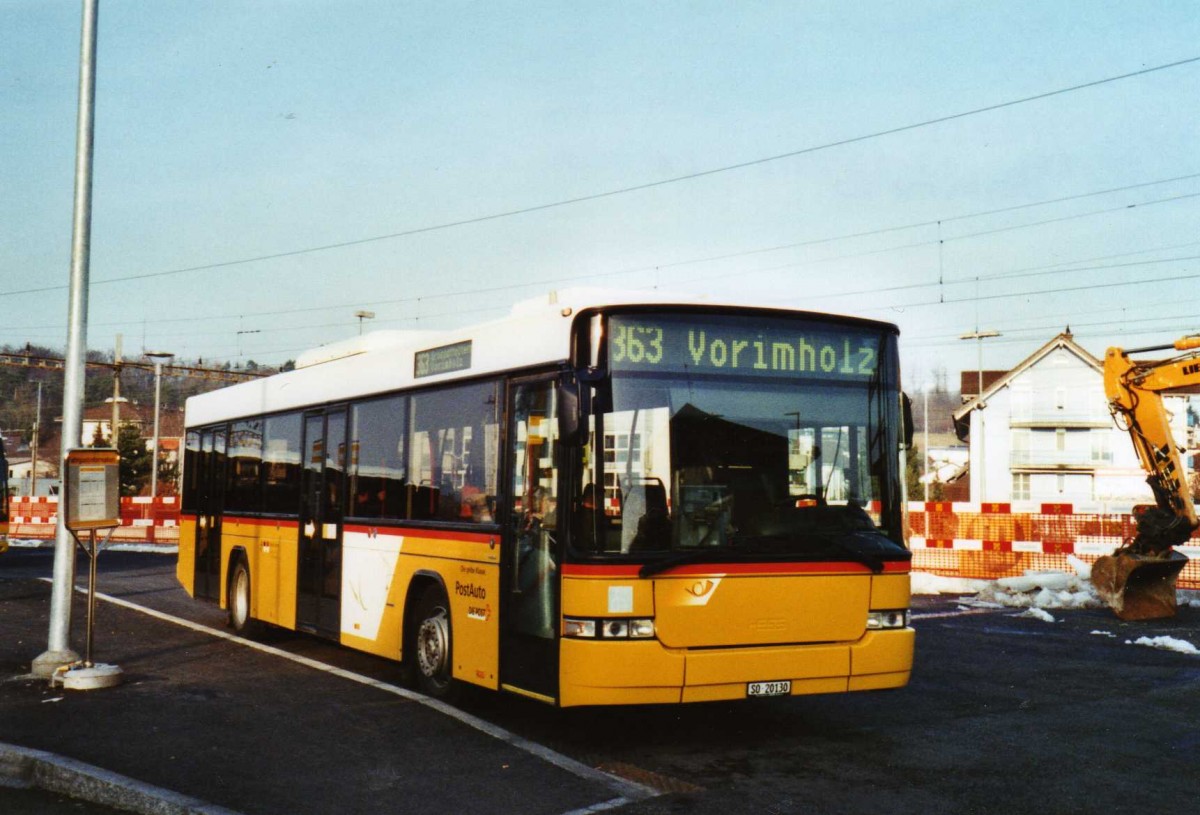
(763, 250)
(634, 187)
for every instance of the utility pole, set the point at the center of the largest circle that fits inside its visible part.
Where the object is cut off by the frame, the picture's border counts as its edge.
(58, 649)
(33, 448)
(116, 413)
(159, 358)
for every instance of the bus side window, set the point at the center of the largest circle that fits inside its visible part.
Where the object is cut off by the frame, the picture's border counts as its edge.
(454, 444)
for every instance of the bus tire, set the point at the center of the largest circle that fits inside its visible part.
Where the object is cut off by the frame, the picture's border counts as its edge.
(238, 599)
(433, 646)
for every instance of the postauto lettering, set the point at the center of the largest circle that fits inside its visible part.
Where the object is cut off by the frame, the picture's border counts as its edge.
(712, 347)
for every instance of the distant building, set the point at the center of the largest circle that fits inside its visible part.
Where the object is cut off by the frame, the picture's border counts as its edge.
(170, 421)
(20, 472)
(1042, 433)
(170, 427)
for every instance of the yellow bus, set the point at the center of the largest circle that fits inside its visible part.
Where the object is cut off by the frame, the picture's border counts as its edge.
(600, 499)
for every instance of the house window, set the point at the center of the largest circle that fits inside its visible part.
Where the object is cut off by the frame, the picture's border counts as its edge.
(1020, 447)
(1020, 486)
(1102, 447)
(1022, 404)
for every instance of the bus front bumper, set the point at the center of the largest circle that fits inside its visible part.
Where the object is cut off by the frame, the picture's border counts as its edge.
(630, 673)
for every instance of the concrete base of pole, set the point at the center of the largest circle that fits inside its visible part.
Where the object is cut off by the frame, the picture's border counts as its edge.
(93, 677)
(45, 665)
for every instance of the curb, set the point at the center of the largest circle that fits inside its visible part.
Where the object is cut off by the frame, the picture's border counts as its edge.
(22, 767)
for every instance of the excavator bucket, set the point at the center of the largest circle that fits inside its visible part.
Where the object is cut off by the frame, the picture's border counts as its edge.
(1138, 587)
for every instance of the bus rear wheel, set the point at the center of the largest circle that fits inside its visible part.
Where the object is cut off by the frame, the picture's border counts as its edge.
(433, 646)
(238, 600)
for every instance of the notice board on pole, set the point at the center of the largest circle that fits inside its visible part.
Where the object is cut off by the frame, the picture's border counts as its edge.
(92, 489)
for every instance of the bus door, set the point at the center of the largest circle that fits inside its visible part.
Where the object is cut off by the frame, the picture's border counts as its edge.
(210, 503)
(532, 544)
(323, 487)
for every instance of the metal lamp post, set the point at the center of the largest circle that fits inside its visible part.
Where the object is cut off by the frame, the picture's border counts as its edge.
(979, 337)
(363, 315)
(159, 358)
(58, 648)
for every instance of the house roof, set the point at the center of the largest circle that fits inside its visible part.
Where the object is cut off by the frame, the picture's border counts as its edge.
(968, 386)
(1064, 341)
(170, 420)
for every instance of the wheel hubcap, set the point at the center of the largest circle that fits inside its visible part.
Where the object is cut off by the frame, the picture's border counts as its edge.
(433, 646)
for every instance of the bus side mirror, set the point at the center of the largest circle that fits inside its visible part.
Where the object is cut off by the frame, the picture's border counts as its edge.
(570, 411)
(907, 419)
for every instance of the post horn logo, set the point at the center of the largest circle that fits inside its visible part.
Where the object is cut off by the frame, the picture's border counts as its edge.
(700, 588)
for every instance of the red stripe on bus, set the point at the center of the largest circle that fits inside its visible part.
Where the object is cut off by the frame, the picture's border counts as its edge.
(421, 532)
(821, 567)
(366, 529)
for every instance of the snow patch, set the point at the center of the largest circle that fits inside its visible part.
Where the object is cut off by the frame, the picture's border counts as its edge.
(154, 548)
(1043, 590)
(926, 583)
(1038, 614)
(1032, 590)
(1166, 644)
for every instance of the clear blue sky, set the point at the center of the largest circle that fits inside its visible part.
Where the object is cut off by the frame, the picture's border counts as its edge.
(232, 131)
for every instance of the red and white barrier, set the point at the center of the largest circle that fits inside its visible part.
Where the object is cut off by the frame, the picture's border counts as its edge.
(992, 540)
(978, 540)
(143, 519)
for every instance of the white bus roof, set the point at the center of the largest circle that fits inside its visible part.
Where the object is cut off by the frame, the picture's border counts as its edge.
(536, 332)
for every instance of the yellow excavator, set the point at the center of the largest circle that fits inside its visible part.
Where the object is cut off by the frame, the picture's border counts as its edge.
(1138, 579)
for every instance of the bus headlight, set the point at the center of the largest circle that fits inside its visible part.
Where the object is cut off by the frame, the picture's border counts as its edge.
(579, 628)
(879, 620)
(619, 628)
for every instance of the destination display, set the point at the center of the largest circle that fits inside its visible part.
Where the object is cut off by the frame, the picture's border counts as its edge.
(443, 360)
(742, 346)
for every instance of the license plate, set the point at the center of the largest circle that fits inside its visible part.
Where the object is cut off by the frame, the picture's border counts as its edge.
(780, 688)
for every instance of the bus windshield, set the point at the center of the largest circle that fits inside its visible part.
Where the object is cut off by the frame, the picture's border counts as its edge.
(728, 436)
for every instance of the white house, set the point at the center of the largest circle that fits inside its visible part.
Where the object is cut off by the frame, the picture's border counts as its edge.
(1042, 433)
(20, 476)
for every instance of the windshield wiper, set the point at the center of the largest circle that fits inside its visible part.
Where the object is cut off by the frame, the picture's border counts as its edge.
(870, 548)
(872, 560)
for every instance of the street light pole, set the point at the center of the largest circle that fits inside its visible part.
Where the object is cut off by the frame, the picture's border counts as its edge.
(364, 315)
(926, 450)
(159, 358)
(979, 337)
(58, 647)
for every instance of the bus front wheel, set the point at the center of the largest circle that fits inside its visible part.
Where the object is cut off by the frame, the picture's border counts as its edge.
(434, 646)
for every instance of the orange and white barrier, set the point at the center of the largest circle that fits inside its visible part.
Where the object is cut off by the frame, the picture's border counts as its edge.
(984, 541)
(991, 540)
(143, 519)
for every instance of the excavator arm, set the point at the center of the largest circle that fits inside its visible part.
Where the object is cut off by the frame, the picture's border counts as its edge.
(1138, 580)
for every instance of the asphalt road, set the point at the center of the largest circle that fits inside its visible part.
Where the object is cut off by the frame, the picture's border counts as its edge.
(1004, 714)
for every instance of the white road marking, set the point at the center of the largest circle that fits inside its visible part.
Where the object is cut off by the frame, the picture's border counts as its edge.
(962, 612)
(626, 791)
